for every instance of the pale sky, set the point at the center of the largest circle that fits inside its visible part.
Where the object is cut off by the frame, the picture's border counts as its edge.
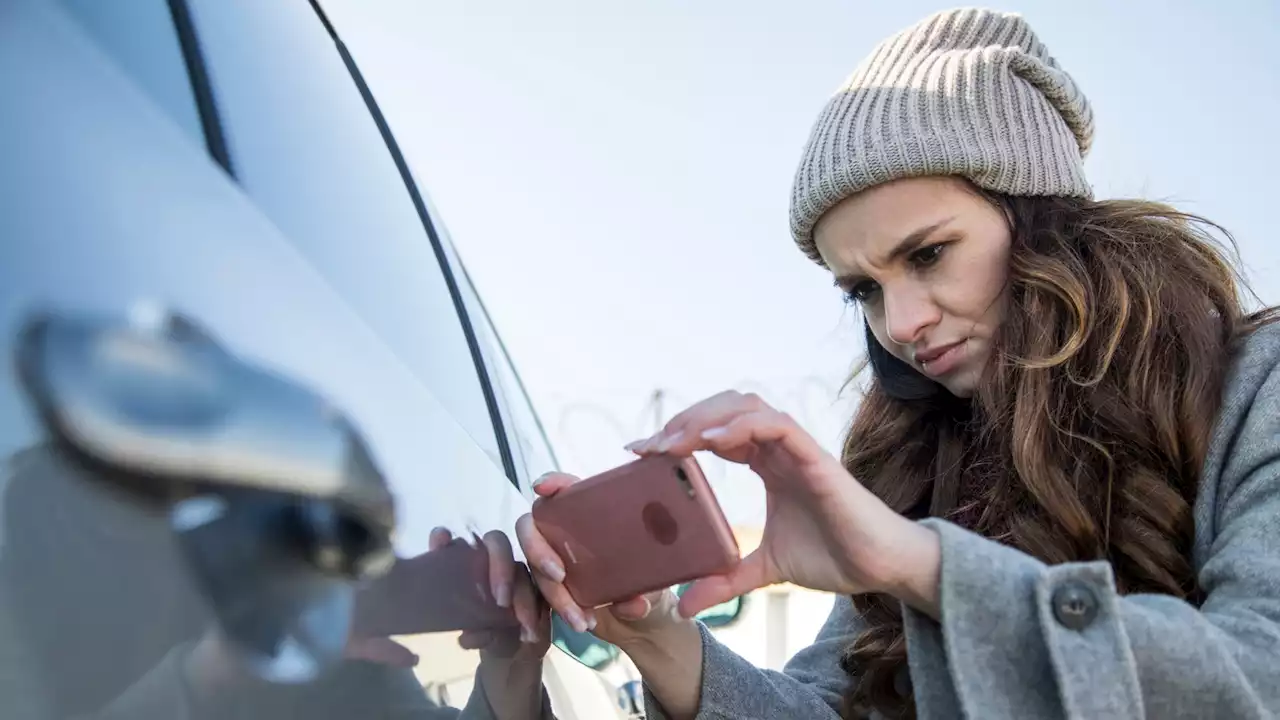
(616, 176)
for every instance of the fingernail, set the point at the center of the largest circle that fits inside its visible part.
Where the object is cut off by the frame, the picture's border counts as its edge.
(502, 595)
(540, 479)
(591, 622)
(644, 613)
(415, 659)
(715, 432)
(527, 635)
(552, 569)
(669, 442)
(574, 616)
(634, 446)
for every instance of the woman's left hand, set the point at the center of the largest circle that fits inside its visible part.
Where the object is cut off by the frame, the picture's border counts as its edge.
(823, 530)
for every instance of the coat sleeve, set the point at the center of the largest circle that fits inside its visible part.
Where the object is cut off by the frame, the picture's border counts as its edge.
(810, 686)
(1021, 639)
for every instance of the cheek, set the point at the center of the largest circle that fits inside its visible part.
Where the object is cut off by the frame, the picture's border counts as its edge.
(976, 285)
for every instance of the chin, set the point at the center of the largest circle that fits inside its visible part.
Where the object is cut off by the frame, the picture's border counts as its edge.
(963, 383)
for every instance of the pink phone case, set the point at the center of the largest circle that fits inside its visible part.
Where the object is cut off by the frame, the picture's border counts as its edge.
(641, 527)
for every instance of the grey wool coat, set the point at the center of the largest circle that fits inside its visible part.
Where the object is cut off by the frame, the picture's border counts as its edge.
(1023, 640)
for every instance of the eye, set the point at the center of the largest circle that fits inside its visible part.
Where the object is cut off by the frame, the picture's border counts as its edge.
(862, 292)
(926, 256)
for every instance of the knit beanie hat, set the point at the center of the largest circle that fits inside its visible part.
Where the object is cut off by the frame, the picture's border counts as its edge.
(966, 92)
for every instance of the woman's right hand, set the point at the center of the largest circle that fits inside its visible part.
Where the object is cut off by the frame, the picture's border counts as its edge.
(621, 623)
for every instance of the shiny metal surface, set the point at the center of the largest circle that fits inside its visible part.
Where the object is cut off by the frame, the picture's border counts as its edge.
(106, 198)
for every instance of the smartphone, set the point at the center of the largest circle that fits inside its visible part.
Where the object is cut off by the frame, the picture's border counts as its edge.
(443, 590)
(642, 527)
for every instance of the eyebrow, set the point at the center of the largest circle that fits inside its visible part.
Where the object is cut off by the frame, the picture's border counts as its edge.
(905, 247)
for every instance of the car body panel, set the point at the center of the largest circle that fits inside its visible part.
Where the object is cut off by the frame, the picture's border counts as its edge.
(118, 209)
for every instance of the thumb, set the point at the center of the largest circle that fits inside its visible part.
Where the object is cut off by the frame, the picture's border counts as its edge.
(552, 483)
(750, 574)
(637, 608)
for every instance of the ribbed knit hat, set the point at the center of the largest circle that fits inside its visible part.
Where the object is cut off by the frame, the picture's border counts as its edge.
(966, 92)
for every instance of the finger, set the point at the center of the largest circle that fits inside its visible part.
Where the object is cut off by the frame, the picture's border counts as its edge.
(502, 565)
(538, 551)
(548, 573)
(637, 608)
(552, 483)
(682, 430)
(475, 639)
(719, 403)
(528, 608)
(381, 650)
(675, 426)
(438, 538)
(561, 600)
(750, 574)
(738, 439)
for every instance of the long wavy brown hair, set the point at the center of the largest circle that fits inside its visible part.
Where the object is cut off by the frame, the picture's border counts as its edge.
(1086, 437)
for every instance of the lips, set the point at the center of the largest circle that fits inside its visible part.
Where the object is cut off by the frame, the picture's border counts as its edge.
(928, 356)
(942, 360)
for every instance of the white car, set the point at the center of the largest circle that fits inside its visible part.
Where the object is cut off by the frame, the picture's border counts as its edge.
(212, 179)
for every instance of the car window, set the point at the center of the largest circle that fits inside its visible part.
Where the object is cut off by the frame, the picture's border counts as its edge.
(530, 447)
(524, 430)
(308, 150)
(141, 37)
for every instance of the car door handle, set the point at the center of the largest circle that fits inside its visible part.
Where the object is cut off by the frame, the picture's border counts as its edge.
(275, 498)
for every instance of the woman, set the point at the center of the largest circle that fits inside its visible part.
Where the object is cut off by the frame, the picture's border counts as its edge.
(1060, 494)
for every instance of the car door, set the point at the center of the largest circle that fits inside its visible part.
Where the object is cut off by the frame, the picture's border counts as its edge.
(119, 197)
(285, 89)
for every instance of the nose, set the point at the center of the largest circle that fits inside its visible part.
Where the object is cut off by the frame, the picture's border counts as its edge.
(908, 312)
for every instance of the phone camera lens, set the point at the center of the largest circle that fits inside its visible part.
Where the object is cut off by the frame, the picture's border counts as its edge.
(683, 477)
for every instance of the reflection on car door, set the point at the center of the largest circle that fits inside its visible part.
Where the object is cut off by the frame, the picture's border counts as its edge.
(109, 200)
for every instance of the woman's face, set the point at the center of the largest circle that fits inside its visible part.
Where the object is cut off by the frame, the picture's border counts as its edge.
(927, 259)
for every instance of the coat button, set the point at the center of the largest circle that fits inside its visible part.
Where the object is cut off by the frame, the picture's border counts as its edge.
(1074, 605)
